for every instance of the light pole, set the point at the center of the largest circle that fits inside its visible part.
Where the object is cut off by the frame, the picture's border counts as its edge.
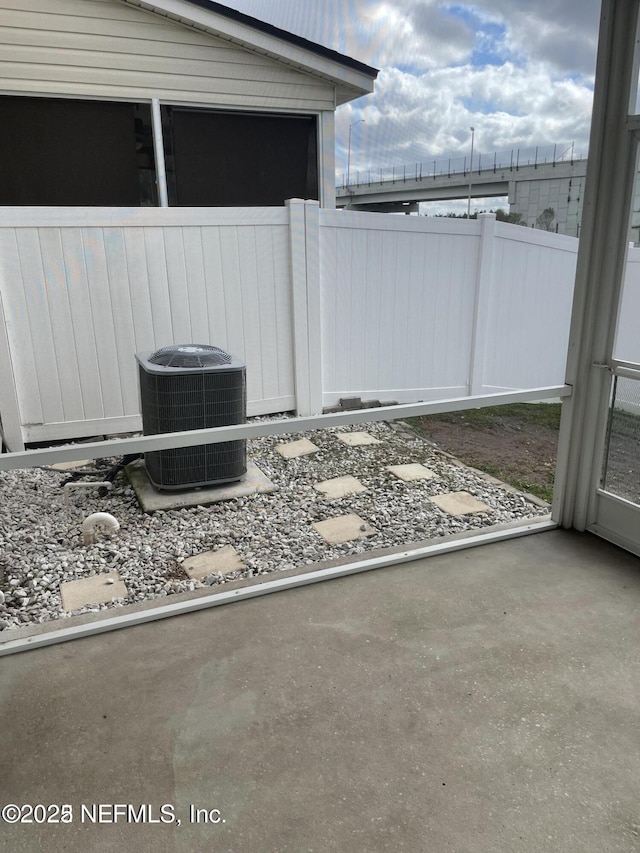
(349, 151)
(473, 131)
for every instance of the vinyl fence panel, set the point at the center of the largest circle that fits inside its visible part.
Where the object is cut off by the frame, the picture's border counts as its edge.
(82, 294)
(528, 308)
(627, 340)
(397, 305)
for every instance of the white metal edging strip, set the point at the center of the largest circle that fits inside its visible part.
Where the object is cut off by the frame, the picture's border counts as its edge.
(127, 620)
(194, 438)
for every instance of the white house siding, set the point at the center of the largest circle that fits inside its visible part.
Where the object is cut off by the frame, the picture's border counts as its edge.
(107, 49)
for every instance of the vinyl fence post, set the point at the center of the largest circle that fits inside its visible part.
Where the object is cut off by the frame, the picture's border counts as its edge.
(9, 408)
(484, 275)
(304, 229)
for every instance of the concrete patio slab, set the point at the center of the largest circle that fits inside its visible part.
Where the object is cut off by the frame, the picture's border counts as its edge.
(357, 439)
(225, 559)
(343, 528)
(411, 471)
(481, 701)
(294, 449)
(96, 589)
(151, 500)
(340, 487)
(459, 503)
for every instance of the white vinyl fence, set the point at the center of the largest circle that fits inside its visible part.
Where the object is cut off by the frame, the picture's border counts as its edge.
(320, 304)
(627, 343)
(83, 291)
(398, 298)
(416, 308)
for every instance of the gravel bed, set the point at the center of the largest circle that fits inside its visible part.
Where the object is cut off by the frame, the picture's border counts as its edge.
(41, 542)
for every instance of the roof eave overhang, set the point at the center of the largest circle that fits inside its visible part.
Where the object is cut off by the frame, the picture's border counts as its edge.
(351, 79)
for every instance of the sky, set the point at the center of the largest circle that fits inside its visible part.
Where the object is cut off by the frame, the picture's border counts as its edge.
(520, 72)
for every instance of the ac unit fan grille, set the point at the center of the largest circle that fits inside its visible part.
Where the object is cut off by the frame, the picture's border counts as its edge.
(190, 356)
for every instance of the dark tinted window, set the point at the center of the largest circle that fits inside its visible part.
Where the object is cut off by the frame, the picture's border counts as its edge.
(67, 152)
(217, 159)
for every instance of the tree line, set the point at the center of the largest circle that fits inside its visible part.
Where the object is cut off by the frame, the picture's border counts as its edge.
(545, 222)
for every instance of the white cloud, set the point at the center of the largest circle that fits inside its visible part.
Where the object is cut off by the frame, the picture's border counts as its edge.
(561, 32)
(412, 118)
(519, 71)
(432, 32)
(382, 33)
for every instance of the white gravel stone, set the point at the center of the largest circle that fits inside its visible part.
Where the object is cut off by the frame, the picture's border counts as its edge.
(41, 543)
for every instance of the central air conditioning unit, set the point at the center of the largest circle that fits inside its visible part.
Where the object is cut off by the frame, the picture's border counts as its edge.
(193, 386)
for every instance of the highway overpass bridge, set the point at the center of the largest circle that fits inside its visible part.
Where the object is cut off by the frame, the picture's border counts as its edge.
(530, 189)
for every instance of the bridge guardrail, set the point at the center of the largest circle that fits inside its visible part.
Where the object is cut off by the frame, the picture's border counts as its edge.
(511, 159)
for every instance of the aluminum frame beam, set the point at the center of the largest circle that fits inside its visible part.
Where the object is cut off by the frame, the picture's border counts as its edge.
(193, 438)
(600, 265)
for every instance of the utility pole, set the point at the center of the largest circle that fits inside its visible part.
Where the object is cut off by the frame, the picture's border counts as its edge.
(349, 151)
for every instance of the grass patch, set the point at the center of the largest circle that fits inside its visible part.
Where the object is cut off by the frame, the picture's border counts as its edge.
(543, 491)
(516, 443)
(542, 414)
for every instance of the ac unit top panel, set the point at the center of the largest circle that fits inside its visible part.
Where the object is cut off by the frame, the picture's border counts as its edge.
(188, 358)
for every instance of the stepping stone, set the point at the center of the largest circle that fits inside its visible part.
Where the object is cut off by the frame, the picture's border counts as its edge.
(339, 487)
(225, 559)
(79, 463)
(97, 589)
(343, 528)
(357, 439)
(411, 471)
(459, 503)
(293, 449)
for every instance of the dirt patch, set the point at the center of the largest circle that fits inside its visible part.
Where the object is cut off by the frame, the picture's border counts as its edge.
(517, 444)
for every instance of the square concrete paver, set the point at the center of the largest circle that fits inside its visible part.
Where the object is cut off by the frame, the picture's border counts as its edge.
(97, 589)
(225, 559)
(411, 471)
(357, 439)
(339, 487)
(459, 503)
(293, 449)
(343, 528)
